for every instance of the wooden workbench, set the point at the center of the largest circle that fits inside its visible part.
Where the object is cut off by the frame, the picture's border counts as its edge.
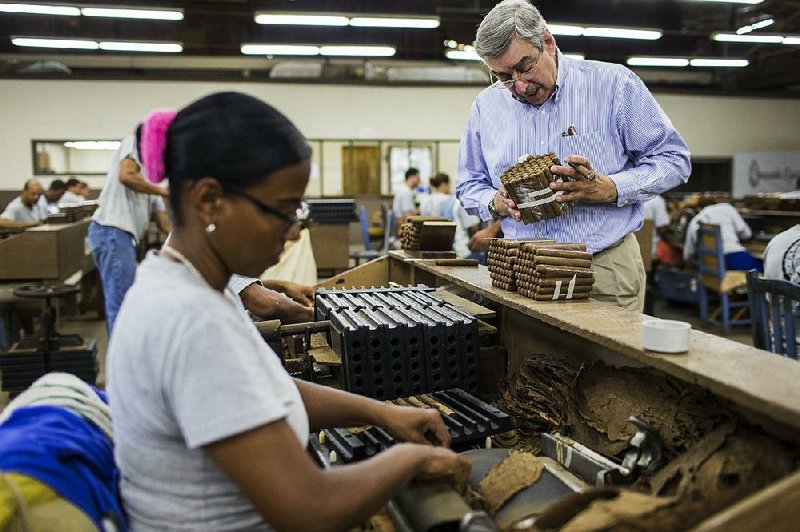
(762, 387)
(51, 252)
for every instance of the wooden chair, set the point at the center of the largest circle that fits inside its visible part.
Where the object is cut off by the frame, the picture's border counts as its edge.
(713, 277)
(774, 309)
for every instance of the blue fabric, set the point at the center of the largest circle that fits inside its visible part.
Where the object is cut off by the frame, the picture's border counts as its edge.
(618, 126)
(66, 452)
(115, 257)
(742, 260)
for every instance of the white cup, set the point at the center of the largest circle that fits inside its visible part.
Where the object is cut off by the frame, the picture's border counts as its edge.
(666, 336)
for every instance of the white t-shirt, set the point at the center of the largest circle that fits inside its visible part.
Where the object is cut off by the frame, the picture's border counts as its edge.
(403, 202)
(464, 221)
(782, 256)
(17, 210)
(70, 199)
(122, 207)
(438, 204)
(187, 367)
(656, 210)
(732, 227)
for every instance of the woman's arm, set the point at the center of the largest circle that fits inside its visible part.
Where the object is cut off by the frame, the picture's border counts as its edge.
(327, 407)
(290, 492)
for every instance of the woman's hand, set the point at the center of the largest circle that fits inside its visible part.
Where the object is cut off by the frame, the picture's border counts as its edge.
(444, 463)
(415, 425)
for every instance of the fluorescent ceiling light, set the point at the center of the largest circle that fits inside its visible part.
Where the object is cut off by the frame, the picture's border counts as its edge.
(623, 33)
(791, 39)
(749, 38)
(658, 61)
(74, 44)
(755, 26)
(301, 20)
(732, 1)
(395, 22)
(108, 145)
(279, 49)
(463, 55)
(151, 14)
(37, 9)
(719, 63)
(361, 51)
(565, 29)
(575, 56)
(162, 47)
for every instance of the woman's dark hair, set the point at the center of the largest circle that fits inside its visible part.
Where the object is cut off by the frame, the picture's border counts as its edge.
(233, 137)
(439, 179)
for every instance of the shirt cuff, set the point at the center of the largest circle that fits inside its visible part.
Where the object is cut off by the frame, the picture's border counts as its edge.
(237, 283)
(627, 188)
(483, 204)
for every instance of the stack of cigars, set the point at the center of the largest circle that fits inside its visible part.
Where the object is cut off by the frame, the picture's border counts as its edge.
(551, 272)
(502, 255)
(411, 231)
(528, 184)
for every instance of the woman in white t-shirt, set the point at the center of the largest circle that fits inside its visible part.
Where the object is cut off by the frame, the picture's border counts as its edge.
(209, 429)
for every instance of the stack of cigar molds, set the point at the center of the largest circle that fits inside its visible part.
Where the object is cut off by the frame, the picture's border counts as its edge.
(528, 184)
(502, 256)
(396, 342)
(551, 272)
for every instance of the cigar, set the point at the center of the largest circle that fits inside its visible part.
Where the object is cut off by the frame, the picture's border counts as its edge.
(563, 253)
(558, 261)
(457, 262)
(578, 297)
(585, 172)
(562, 271)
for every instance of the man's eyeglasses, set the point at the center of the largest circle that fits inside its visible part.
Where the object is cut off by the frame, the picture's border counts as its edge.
(506, 81)
(300, 215)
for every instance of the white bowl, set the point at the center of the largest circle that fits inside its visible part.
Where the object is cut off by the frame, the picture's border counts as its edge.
(666, 336)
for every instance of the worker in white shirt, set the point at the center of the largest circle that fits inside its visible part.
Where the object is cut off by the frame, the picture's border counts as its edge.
(782, 256)
(656, 210)
(440, 201)
(732, 228)
(403, 204)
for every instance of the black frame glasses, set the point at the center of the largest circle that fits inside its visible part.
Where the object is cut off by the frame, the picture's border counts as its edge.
(301, 214)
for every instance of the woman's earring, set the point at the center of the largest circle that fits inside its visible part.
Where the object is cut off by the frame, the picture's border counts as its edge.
(210, 228)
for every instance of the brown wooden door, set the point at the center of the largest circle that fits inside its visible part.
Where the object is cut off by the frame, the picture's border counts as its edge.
(361, 170)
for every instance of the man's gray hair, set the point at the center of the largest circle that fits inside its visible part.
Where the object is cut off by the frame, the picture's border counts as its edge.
(509, 18)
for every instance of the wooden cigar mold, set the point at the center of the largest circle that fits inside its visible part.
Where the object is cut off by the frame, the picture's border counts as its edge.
(529, 181)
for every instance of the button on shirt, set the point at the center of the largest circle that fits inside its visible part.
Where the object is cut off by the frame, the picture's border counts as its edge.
(618, 126)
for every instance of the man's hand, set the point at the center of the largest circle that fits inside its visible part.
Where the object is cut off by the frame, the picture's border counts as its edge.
(415, 425)
(600, 190)
(504, 205)
(300, 293)
(480, 240)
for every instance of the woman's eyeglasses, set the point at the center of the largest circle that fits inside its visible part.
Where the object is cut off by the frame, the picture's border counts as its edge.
(300, 216)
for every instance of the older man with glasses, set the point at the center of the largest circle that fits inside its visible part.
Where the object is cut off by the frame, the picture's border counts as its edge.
(590, 113)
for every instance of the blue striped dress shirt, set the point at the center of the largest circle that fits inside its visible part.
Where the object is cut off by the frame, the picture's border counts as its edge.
(618, 126)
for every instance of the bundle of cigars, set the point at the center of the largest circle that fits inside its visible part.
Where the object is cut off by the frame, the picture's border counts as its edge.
(528, 184)
(541, 269)
(411, 231)
(551, 272)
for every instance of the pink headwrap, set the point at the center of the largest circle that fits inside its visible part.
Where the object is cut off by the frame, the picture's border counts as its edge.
(154, 141)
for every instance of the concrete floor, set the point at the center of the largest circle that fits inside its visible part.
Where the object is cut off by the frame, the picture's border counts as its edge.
(89, 326)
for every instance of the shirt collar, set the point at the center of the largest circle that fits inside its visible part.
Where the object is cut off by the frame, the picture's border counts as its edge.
(563, 67)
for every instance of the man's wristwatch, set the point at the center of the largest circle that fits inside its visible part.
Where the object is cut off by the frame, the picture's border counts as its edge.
(493, 209)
